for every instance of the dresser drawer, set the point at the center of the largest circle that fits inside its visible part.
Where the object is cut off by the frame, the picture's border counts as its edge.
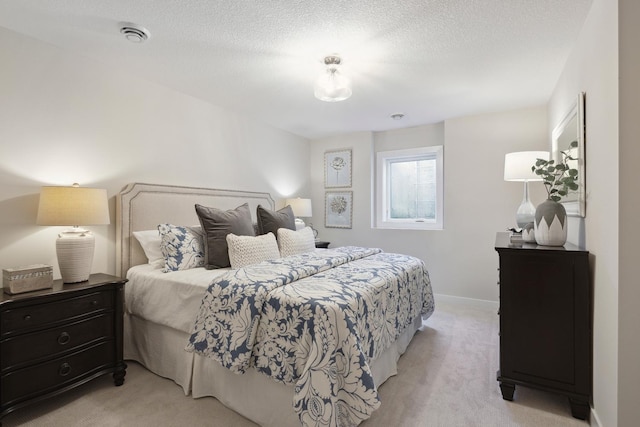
(46, 377)
(42, 315)
(27, 348)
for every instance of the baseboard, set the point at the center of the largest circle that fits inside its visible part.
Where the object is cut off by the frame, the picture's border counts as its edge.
(471, 302)
(595, 421)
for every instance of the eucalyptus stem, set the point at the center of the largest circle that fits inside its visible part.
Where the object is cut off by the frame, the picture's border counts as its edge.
(558, 179)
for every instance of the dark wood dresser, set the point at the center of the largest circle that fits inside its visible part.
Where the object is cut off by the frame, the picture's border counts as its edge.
(56, 339)
(545, 321)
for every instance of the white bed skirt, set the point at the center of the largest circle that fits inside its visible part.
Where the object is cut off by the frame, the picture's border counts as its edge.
(253, 395)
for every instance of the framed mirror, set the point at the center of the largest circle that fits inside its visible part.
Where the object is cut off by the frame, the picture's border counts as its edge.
(570, 129)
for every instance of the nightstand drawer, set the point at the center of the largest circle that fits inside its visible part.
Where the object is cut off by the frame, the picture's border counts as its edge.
(27, 348)
(42, 315)
(46, 377)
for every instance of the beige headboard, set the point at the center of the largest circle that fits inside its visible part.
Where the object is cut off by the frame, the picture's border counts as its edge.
(144, 206)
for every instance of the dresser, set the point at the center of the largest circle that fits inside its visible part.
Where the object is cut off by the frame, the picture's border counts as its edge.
(56, 339)
(545, 321)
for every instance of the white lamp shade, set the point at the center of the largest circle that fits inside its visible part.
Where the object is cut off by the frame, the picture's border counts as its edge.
(73, 206)
(300, 207)
(517, 166)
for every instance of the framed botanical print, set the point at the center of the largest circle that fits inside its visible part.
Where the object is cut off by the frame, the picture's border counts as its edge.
(338, 206)
(337, 168)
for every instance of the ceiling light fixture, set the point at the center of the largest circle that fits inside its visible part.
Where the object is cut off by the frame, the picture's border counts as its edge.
(135, 33)
(332, 86)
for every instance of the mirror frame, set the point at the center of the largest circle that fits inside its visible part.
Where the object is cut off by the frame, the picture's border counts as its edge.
(574, 208)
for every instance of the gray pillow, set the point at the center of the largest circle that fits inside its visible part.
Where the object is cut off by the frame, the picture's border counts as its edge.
(216, 224)
(270, 221)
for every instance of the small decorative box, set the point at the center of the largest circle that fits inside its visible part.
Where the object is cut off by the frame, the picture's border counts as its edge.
(25, 279)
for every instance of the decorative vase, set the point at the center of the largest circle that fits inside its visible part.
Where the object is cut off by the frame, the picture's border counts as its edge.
(528, 233)
(550, 224)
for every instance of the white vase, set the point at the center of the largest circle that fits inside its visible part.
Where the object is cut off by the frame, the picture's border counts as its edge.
(550, 224)
(528, 233)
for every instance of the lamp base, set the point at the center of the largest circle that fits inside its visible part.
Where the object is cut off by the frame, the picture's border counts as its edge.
(525, 214)
(315, 232)
(300, 224)
(526, 211)
(75, 254)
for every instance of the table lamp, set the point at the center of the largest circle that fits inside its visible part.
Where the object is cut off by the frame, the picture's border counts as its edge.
(301, 208)
(74, 206)
(517, 167)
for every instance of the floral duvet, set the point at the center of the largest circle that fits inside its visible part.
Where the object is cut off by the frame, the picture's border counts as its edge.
(315, 320)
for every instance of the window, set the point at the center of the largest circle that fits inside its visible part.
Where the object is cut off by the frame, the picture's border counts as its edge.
(409, 188)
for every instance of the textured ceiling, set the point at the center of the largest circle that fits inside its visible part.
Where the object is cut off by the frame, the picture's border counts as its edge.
(430, 59)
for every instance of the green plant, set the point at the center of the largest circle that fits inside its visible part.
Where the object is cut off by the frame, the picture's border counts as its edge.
(559, 179)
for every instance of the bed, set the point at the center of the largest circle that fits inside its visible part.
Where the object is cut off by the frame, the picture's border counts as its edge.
(173, 320)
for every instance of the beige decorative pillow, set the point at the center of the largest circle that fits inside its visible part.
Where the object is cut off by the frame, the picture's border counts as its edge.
(296, 242)
(248, 250)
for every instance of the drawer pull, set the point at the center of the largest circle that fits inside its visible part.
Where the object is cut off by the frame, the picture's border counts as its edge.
(64, 338)
(27, 317)
(94, 302)
(64, 369)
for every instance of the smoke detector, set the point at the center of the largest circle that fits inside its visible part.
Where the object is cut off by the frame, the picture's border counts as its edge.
(134, 33)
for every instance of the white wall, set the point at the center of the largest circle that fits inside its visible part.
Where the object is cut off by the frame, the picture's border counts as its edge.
(629, 205)
(593, 69)
(70, 119)
(478, 202)
(360, 144)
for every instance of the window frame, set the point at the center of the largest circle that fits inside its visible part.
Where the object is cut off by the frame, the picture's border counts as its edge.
(383, 160)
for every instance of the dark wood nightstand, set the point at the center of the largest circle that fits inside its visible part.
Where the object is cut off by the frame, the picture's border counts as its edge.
(323, 245)
(56, 339)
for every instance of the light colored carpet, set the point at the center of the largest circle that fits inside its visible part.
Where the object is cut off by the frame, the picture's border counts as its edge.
(447, 378)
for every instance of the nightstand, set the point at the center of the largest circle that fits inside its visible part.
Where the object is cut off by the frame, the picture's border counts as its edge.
(323, 245)
(56, 339)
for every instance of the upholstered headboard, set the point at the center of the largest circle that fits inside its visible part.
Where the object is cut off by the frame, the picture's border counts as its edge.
(144, 206)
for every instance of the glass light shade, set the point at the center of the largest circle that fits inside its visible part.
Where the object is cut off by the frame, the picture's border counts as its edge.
(517, 166)
(300, 207)
(73, 206)
(332, 86)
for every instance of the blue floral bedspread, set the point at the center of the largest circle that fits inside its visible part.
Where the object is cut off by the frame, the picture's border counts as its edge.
(315, 320)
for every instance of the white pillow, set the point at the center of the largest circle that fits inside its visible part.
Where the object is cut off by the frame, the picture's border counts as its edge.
(296, 242)
(150, 241)
(247, 250)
